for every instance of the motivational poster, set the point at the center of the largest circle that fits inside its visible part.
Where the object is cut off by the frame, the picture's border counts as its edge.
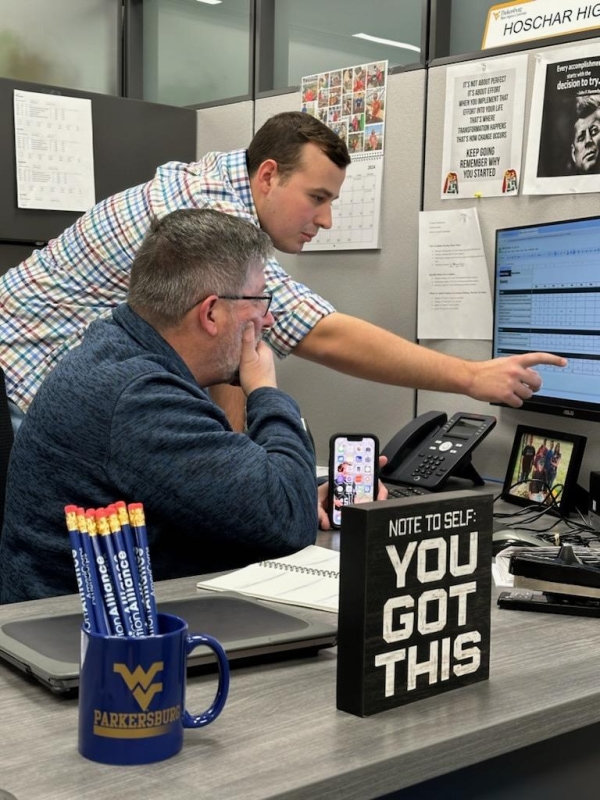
(415, 583)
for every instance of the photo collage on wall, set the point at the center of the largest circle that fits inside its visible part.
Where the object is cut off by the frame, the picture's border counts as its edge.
(350, 101)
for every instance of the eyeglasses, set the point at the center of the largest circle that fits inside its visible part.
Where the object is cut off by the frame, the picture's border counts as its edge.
(264, 299)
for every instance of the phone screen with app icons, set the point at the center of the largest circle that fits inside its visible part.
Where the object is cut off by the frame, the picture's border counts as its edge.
(352, 472)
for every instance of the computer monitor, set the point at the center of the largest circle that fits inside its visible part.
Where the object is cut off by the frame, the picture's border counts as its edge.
(547, 298)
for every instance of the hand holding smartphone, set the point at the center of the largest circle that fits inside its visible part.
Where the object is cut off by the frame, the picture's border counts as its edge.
(353, 472)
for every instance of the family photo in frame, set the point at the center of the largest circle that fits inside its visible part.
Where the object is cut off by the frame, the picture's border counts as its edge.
(543, 468)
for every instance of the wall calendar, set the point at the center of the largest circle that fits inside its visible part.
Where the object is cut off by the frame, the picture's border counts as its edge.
(352, 102)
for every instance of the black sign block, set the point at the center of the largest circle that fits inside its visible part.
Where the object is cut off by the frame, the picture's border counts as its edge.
(415, 583)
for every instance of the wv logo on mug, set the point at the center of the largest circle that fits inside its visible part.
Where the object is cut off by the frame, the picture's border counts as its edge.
(132, 693)
(128, 724)
(140, 683)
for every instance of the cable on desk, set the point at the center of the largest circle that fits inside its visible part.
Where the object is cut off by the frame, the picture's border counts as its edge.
(579, 533)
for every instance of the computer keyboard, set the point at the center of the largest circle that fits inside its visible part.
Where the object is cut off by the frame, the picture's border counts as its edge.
(403, 491)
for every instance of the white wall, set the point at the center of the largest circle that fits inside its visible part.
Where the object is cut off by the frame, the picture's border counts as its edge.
(195, 53)
(317, 36)
(63, 43)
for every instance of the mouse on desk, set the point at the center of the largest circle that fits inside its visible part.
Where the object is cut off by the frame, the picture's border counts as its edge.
(513, 537)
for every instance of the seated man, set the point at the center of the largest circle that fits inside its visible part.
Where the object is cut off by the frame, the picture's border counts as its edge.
(126, 416)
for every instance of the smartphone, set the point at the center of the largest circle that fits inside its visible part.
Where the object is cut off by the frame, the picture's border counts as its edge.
(353, 471)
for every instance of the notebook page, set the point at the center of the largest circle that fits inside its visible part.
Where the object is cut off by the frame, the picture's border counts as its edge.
(307, 578)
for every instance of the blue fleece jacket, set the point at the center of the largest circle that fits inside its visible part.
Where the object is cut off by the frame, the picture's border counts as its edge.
(122, 418)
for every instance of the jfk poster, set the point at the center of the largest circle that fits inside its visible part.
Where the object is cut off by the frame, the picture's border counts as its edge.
(563, 147)
(483, 128)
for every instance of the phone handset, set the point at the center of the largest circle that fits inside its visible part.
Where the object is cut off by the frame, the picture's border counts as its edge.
(431, 448)
(406, 440)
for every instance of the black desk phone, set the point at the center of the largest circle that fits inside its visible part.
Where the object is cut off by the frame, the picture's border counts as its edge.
(431, 448)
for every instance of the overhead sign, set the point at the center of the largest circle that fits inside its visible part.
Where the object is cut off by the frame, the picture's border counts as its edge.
(516, 22)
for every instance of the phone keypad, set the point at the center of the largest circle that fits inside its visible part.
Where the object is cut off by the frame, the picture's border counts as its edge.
(428, 466)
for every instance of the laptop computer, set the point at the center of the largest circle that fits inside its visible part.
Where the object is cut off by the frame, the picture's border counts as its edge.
(47, 647)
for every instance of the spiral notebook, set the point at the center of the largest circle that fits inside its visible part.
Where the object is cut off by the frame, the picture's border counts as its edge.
(308, 578)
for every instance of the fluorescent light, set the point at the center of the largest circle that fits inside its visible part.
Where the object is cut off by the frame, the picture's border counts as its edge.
(211, 2)
(386, 41)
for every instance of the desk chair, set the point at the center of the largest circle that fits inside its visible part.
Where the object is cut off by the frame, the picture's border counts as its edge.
(6, 440)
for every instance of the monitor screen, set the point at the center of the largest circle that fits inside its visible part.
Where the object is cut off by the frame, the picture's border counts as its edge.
(547, 298)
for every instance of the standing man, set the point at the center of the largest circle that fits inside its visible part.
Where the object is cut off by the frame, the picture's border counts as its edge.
(552, 469)
(527, 455)
(548, 464)
(284, 183)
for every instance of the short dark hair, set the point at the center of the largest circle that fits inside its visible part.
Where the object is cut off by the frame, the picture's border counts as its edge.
(586, 104)
(283, 136)
(188, 255)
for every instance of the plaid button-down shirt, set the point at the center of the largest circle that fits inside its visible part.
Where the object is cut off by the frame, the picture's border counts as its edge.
(47, 302)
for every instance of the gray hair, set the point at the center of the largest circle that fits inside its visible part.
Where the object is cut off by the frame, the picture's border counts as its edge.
(189, 255)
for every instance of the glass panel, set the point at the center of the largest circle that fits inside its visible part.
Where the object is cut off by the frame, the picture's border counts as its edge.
(71, 43)
(320, 35)
(195, 52)
(467, 24)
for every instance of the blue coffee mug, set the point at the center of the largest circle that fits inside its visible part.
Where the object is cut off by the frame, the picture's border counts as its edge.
(132, 693)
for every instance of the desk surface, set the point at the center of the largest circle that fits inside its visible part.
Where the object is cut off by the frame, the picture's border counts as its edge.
(281, 735)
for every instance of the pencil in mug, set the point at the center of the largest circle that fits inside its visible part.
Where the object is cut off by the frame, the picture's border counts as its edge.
(130, 579)
(144, 573)
(137, 521)
(84, 586)
(112, 559)
(100, 616)
(108, 589)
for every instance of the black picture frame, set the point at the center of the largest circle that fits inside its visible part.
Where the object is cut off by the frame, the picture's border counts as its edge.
(537, 478)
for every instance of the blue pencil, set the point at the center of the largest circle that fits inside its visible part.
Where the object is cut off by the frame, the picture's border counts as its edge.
(101, 620)
(112, 559)
(83, 580)
(142, 551)
(108, 589)
(130, 579)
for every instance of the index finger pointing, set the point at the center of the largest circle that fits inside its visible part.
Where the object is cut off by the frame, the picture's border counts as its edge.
(531, 359)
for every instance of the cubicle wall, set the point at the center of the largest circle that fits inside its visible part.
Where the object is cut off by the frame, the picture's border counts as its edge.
(380, 286)
(498, 212)
(376, 285)
(226, 127)
(131, 138)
